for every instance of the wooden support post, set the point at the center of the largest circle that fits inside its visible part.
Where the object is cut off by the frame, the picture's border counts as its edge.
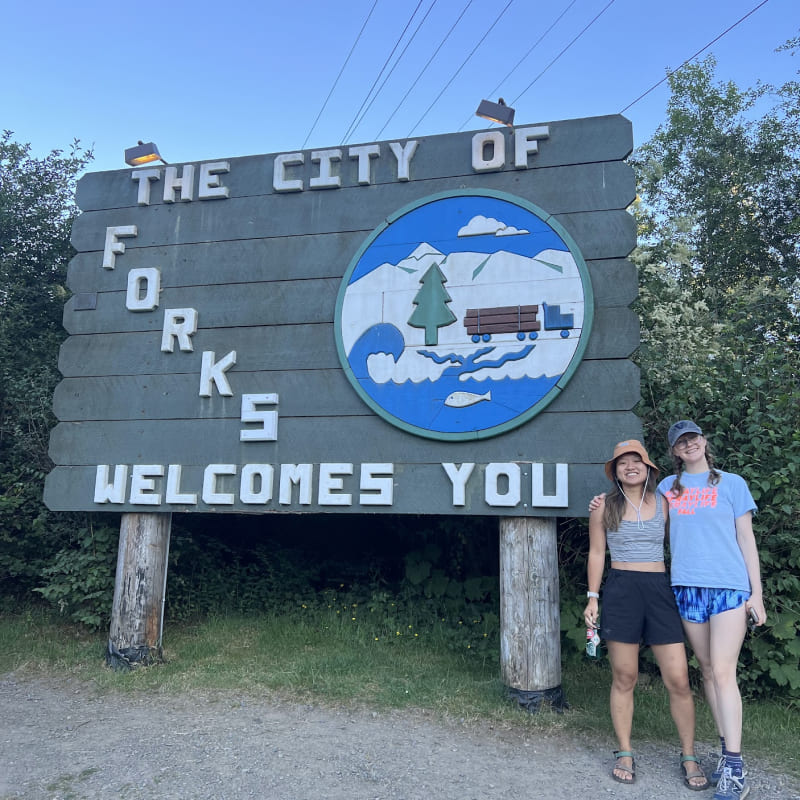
(530, 627)
(137, 616)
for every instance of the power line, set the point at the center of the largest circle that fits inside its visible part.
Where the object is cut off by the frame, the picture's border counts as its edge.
(610, 3)
(399, 59)
(422, 72)
(358, 39)
(516, 66)
(692, 58)
(356, 119)
(463, 64)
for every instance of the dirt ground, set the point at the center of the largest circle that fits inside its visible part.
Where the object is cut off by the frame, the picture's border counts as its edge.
(62, 739)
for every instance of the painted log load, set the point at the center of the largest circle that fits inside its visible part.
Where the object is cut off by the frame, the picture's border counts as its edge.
(482, 322)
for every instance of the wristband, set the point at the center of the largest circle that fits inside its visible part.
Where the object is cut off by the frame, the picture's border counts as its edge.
(593, 594)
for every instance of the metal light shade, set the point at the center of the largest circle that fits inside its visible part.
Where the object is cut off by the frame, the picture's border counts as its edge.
(142, 154)
(496, 112)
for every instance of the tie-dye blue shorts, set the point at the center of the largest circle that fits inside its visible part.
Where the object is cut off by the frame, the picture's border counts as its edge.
(700, 603)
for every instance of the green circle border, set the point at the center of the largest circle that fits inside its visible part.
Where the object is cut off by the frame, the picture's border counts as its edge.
(555, 391)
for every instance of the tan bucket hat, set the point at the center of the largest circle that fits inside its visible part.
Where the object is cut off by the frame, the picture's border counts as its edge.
(628, 446)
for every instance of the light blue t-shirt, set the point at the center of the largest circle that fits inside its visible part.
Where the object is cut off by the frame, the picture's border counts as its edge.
(702, 530)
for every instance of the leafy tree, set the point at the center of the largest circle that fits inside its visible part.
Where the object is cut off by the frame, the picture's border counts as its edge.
(36, 213)
(722, 196)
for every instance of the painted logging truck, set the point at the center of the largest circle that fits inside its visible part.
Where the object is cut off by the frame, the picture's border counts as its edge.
(481, 323)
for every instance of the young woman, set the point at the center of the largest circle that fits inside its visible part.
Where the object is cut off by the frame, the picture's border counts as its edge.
(638, 605)
(716, 580)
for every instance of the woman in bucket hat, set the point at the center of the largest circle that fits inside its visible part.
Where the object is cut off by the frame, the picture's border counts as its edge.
(638, 605)
(716, 579)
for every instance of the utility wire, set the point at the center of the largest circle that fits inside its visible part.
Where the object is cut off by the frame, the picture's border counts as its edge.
(463, 64)
(422, 72)
(399, 59)
(356, 119)
(525, 90)
(516, 66)
(358, 39)
(692, 58)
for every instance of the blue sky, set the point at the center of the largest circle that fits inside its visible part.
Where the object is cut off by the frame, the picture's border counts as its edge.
(217, 80)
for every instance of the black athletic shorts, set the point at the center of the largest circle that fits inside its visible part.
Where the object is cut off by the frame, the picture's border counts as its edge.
(639, 607)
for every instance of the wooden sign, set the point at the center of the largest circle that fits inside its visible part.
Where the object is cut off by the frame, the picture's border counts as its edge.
(428, 326)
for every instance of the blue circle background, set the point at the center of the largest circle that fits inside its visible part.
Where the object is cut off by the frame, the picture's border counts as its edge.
(419, 407)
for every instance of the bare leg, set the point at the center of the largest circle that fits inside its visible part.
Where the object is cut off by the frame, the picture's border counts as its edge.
(717, 644)
(699, 636)
(624, 660)
(727, 634)
(671, 660)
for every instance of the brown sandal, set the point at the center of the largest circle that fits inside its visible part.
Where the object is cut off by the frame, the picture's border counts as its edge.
(618, 754)
(694, 774)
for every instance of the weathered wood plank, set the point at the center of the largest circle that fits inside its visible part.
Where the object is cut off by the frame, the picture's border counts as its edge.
(213, 263)
(240, 304)
(595, 382)
(302, 393)
(272, 303)
(261, 348)
(594, 233)
(582, 187)
(367, 438)
(571, 142)
(615, 333)
(300, 347)
(285, 258)
(417, 489)
(357, 208)
(614, 282)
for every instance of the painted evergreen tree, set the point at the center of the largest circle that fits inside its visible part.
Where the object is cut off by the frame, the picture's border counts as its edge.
(431, 310)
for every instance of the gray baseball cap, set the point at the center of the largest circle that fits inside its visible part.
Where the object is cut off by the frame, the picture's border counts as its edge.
(679, 428)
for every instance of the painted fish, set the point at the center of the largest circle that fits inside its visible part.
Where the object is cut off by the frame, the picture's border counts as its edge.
(464, 399)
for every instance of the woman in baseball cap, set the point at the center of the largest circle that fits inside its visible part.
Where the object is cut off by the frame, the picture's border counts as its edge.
(638, 605)
(716, 579)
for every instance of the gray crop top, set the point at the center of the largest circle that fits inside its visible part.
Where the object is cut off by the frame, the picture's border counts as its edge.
(632, 543)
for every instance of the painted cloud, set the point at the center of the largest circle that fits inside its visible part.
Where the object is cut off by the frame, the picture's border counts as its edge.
(482, 226)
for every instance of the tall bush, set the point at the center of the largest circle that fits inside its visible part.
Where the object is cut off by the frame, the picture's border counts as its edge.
(36, 214)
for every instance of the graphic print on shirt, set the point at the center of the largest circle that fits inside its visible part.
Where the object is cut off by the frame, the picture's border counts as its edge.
(693, 498)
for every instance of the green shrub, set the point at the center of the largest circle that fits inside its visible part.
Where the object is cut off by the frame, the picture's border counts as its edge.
(80, 580)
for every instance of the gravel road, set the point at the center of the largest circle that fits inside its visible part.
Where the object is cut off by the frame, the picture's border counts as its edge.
(62, 740)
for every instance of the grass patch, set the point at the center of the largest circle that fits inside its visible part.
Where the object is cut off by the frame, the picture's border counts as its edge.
(324, 656)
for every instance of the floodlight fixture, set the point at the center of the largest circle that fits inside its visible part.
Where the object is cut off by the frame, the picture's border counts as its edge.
(142, 154)
(496, 112)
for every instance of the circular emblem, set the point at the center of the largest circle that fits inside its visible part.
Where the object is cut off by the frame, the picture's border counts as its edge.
(463, 315)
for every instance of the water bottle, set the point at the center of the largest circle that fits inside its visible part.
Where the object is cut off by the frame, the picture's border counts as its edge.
(592, 640)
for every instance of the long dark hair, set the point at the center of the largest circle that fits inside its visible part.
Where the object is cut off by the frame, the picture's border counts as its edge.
(677, 464)
(615, 499)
